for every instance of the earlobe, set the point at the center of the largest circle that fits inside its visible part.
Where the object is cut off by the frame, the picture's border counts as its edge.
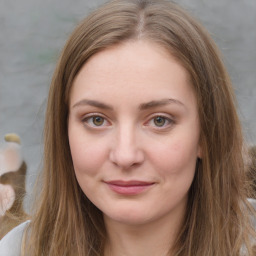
(199, 152)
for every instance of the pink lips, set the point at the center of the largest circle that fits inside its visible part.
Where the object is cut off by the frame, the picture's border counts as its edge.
(132, 187)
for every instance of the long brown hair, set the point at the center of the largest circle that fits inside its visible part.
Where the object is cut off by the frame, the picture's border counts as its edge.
(217, 220)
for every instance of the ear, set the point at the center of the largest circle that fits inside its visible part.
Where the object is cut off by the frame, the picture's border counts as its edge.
(7, 198)
(10, 158)
(199, 152)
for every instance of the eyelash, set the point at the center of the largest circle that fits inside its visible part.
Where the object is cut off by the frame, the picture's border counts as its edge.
(89, 119)
(167, 122)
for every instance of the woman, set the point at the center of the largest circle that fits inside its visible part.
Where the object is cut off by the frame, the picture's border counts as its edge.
(143, 146)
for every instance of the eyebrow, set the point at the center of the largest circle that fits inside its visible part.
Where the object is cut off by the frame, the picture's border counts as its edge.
(159, 103)
(93, 103)
(143, 106)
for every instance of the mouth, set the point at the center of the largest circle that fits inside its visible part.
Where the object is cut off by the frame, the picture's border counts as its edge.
(132, 187)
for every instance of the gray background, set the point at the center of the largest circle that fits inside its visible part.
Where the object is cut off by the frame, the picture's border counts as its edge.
(33, 33)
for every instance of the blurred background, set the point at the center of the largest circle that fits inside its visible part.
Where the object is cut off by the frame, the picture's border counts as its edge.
(33, 32)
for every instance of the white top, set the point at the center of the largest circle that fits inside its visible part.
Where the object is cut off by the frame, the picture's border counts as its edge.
(10, 245)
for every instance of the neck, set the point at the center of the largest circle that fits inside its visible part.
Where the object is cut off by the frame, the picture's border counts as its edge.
(150, 239)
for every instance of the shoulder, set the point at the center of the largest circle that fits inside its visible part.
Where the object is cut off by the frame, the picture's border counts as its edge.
(10, 244)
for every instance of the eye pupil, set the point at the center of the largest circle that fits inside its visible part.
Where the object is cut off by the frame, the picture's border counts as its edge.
(159, 121)
(97, 120)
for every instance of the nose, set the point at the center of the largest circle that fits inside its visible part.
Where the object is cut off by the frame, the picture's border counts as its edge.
(125, 153)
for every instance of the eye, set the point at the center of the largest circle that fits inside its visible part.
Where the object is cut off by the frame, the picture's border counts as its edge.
(95, 121)
(98, 120)
(160, 121)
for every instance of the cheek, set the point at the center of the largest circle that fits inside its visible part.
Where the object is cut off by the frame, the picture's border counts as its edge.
(176, 165)
(175, 157)
(88, 156)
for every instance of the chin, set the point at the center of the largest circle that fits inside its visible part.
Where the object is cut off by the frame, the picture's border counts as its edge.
(129, 217)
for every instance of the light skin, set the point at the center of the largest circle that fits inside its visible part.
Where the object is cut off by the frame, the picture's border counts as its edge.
(134, 138)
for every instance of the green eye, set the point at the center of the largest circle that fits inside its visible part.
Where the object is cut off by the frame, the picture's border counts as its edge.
(98, 120)
(159, 121)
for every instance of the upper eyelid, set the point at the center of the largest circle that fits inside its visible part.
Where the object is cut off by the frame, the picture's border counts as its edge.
(148, 117)
(85, 116)
(168, 118)
(165, 115)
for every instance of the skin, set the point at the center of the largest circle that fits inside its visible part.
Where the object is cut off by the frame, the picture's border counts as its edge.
(133, 118)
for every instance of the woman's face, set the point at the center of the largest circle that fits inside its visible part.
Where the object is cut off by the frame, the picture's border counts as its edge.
(134, 133)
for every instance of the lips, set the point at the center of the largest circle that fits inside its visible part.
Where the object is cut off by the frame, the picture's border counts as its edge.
(133, 187)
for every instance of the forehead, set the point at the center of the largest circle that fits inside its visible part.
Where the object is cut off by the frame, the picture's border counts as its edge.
(146, 53)
(133, 68)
